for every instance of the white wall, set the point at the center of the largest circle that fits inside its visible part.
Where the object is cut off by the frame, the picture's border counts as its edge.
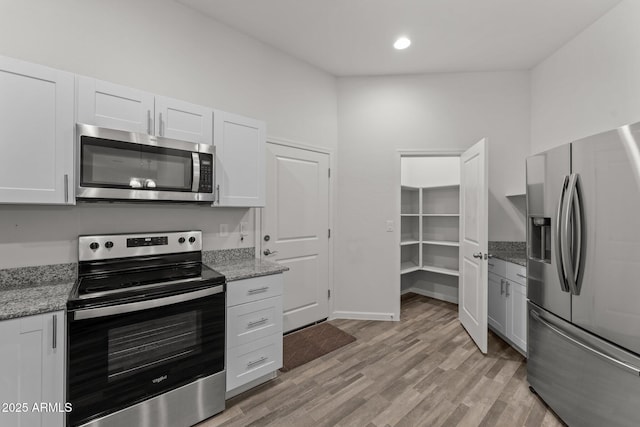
(166, 48)
(591, 84)
(430, 171)
(379, 115)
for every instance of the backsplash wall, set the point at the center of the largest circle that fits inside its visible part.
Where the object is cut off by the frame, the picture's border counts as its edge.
(40, 235)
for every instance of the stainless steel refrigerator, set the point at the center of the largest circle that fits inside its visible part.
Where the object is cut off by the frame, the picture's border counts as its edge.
(583, 278)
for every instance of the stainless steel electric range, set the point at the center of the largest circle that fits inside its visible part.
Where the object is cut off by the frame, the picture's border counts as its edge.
(146, 332)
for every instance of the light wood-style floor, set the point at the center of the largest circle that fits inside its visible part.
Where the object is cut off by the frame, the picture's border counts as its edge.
(421, 371)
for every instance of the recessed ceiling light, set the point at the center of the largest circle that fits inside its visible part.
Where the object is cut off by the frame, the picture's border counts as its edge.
(402, 43)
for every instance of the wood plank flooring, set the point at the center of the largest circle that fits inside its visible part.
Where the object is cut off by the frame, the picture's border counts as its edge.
(421, 371)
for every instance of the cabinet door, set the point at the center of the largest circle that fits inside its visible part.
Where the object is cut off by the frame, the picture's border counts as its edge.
(250, 361)
(240, 153)
(497, 303)
(32, 370)
(517, 315)
(36, 135)
(113, 106)
(181, 120)
(254, 320)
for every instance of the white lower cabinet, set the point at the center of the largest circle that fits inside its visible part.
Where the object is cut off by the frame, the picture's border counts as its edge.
(507, 302)
(253, 360)
(32, 360)
(254, 329)
(517, 315)
(497, 304)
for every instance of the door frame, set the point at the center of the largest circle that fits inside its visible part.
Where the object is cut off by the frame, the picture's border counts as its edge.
(259, 218)
(400, 153)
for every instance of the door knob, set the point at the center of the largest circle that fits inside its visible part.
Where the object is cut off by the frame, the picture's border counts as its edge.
(477, 255)
(268, 252)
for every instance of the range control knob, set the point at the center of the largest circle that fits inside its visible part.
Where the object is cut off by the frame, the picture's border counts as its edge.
(108, 245)
(94, 246)
(192, 239)
(181, 240)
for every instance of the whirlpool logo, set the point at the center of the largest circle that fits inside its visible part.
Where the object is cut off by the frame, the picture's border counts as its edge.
(159, 379)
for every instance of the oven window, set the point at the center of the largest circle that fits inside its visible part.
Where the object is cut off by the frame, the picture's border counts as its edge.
(122, 359)
(115, 164)
(145, 345)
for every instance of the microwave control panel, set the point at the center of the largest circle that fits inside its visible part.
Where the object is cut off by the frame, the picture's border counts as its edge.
(206, 173)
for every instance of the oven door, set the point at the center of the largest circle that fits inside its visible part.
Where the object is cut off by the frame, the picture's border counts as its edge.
(121, 165)
(124, 354)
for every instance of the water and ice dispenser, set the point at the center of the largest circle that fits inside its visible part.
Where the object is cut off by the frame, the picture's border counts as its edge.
(540, 238)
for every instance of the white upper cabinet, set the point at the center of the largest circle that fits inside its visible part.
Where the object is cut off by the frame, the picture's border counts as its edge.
(36, 134)
(113, 106)
(240, 155)
(182, 120)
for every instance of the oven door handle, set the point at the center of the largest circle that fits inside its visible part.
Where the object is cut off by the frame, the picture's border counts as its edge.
(93, 313)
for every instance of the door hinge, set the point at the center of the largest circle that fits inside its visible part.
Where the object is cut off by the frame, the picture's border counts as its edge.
(329, 233)
(328, 293)
(329, 172)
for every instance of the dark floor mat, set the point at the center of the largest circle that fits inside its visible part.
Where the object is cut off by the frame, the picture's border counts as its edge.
(303, 346)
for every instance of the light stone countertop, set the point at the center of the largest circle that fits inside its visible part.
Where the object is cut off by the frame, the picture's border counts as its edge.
(26, 291)
(246, 268)
(514, 252)
(33, 299)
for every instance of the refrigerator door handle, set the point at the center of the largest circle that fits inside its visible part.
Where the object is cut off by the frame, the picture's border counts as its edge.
(578, 240)
(558, 237)
(623, 365)
(566, 249)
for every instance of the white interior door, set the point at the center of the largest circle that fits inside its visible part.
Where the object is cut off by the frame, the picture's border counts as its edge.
(295, 230)
(474, 192)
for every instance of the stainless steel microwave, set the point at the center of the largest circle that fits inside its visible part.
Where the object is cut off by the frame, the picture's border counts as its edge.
(119, 165)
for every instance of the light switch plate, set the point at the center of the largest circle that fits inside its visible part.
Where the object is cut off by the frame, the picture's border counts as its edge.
(389, 225)
(224, 230)
(243, 228)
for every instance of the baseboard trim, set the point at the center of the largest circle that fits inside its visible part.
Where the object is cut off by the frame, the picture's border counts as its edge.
(364, 315)
(430, 294)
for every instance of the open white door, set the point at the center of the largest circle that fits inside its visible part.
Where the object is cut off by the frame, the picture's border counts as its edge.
(295, 230)
(474, 193)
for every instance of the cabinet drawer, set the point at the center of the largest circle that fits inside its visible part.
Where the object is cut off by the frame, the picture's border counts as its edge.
(516, 273)
(254, 289)
(497, 266)
(254, 320)
(248, 362)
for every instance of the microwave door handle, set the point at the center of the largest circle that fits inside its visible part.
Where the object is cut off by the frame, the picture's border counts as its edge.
(195, 183)
(558, 237)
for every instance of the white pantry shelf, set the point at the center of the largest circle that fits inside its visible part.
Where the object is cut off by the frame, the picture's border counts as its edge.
(441, 270)
(409, 242)
(440, 243)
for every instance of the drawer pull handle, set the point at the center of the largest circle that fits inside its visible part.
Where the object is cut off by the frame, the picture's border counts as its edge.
(520, 275)
(258, 290)
(491, 265)
(257, 362)
(257, 322)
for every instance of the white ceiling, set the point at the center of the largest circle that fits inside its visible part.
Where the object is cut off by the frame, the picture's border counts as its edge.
(355, 37)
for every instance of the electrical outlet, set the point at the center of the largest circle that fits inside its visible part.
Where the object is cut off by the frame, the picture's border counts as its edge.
(224, 230)
(243, 228)
(389, 225)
